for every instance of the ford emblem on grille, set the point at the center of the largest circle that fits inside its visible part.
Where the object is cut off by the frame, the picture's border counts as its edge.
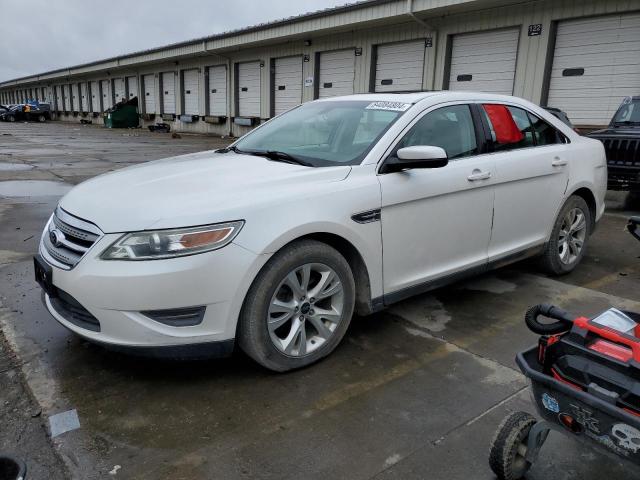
(56, 237)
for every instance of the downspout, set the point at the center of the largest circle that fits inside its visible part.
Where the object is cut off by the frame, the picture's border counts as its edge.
(413, 15)
(431, 29)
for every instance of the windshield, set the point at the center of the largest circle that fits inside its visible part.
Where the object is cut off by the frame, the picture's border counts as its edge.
(628, 114)
(325, 133)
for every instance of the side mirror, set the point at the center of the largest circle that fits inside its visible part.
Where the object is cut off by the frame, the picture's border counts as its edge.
(420, 156)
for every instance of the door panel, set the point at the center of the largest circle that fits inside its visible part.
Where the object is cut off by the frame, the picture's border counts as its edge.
(436, 222)
(529, 189)
(531, 181)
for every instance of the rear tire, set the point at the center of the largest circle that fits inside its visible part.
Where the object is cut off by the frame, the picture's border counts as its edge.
(508, 449)
(282, 330)
(42, 118)
(569, 237)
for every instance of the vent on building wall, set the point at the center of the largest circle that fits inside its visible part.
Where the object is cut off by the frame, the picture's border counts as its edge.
(464, 78)
(572, 72)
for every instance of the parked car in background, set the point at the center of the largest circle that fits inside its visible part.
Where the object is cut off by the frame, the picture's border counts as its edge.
(338, 205)
(560, 115)
(621, 141)
(40, 112)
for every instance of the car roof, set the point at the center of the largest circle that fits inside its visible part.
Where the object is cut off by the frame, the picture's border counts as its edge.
(440, 95)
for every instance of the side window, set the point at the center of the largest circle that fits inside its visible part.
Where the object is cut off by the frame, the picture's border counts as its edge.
(450, 128)
(544, 133)
(510, 127)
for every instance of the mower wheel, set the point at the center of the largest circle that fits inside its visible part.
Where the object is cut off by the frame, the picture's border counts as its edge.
(509, 447)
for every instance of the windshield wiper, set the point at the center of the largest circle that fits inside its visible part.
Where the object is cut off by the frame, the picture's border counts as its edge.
(229, 149)
(281, 157)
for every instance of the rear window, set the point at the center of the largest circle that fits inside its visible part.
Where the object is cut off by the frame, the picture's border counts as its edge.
(513, 128)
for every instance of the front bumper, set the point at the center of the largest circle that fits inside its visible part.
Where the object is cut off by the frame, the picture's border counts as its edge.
(116, 292)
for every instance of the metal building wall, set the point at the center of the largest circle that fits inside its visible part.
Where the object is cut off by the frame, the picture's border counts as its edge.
(357, 28)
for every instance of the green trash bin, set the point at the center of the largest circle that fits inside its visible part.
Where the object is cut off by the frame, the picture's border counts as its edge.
(123, 115)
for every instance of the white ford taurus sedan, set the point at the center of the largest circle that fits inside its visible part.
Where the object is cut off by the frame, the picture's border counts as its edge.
(338, 206)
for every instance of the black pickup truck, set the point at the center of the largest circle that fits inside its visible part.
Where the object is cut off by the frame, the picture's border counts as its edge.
(622, 143)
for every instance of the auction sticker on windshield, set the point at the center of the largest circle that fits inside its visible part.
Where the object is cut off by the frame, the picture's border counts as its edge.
(393, 106)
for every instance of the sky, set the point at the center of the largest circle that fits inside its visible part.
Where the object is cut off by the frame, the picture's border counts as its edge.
(42, 35)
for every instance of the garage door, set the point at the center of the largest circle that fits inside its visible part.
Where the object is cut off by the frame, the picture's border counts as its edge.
(218, 91)
(249, 89)
(132, 87)
(169, 92)
(66, 92)
(287, 83)
(84, 97)
(75, 97)
(95, 96)
(148, 82)
(105, 87)
(484, 61)
(191, 91)
(118, 89)
(596, 63)
(400, 67)
(337, 73)
(58, 101)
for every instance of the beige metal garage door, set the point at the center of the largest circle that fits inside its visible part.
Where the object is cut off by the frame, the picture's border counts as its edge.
(596, 63)
(95, 96)
(191, 91)
(287, 83)
(218, 90)
(118, 89)
(168, 92)
(148, 82)
(400, 67)
(484, 61)
(337, 73)
(107, 101)
(249, 89)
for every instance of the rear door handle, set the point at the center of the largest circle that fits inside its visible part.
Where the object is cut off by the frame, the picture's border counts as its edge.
(478, 175)
(558, 162)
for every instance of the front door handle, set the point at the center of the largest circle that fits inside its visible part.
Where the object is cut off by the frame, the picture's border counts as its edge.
(558, 162)
(478, 175)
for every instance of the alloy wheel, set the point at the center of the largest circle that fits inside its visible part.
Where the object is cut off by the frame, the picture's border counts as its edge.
(305, 309)
(572, 235)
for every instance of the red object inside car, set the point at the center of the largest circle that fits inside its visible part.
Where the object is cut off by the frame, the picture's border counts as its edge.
(503, 124)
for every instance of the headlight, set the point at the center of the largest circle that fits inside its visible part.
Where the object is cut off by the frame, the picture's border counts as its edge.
(178, 242)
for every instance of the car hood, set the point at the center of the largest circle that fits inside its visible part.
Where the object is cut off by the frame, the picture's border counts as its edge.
(618, 132)
(193, 189)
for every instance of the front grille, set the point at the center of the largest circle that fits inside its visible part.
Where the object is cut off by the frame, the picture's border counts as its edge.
(71, 310)
(622, 152)
(66, 239)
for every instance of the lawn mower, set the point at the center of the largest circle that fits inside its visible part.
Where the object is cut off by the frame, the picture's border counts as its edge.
(585, 379)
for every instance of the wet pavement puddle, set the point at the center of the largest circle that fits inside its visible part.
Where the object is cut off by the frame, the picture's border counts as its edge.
(33, 188)
(14, 167)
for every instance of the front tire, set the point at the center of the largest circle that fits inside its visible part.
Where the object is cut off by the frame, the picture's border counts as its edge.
(298, 308)
(569, 237)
